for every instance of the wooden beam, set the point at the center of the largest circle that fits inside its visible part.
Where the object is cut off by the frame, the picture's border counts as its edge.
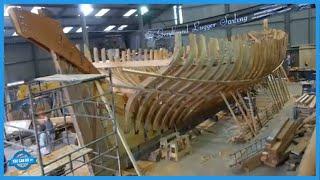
(187, 79)
(48, 34)
(119, 130)
(131, 64)
(243, 113)
(230, 109)
(308, 162)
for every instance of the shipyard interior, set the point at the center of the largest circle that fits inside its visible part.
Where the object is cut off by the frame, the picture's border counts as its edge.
(159, 90)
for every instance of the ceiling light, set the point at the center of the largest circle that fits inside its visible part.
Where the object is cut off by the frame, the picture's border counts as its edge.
(144, 9)
(86, 9)
(109, 28)
(130, 12)
(35, 9)
(80, 29)
(15, 83)
(7, 8)
(122, 27)
(67, 29)
(102, 12)
(14, 34)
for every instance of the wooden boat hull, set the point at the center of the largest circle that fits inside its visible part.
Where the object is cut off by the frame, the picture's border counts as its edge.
(185, 86)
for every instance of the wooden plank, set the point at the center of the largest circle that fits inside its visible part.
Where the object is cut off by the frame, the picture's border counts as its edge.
(300, 147)
(48, 34)
(308, 162)
(119, 130)
(103, 55)
(301, 97)
(304, 98)
(313, 103)
(131, 64)
(308, 101)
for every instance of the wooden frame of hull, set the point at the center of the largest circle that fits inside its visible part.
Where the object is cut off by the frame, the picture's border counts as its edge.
(248, 57)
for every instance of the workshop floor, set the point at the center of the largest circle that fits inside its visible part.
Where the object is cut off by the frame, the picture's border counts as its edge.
(216, 146)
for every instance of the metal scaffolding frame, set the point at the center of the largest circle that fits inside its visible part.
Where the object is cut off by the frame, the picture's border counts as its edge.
(91, 158)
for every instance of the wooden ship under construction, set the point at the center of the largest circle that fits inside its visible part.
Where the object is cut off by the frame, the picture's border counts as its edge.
(157, 91)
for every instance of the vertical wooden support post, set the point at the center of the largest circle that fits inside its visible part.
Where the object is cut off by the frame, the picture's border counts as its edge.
(110, 55)
(151, 54)
(282, 85)
(247, 111)
(271, 84)
(155, 54)
(230, 109)
(103, 55)
(128, 55)
(123, 56)
(161, 53)
(116, 54)
(276, 84)
(133, 55)
(272, 93)
(119, 130)
(252, 108)
(284, 73)
(145, 54)
(96, 54)
(140, 54)
(243, 114)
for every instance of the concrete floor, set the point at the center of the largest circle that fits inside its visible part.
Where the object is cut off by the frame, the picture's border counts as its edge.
(216, 144)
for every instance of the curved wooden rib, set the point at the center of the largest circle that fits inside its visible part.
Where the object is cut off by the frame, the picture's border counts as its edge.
(221, 60)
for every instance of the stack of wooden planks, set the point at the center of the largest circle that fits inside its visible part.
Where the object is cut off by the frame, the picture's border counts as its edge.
(288, 141)
(308, 100)
(300, 141)
(304, 106)
(277, 144)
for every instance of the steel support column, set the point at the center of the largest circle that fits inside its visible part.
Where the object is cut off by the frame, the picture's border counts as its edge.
(141, 30)
(287, 27)
(85, 38)
(36, 69)
(228, 29)
(309, 26)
